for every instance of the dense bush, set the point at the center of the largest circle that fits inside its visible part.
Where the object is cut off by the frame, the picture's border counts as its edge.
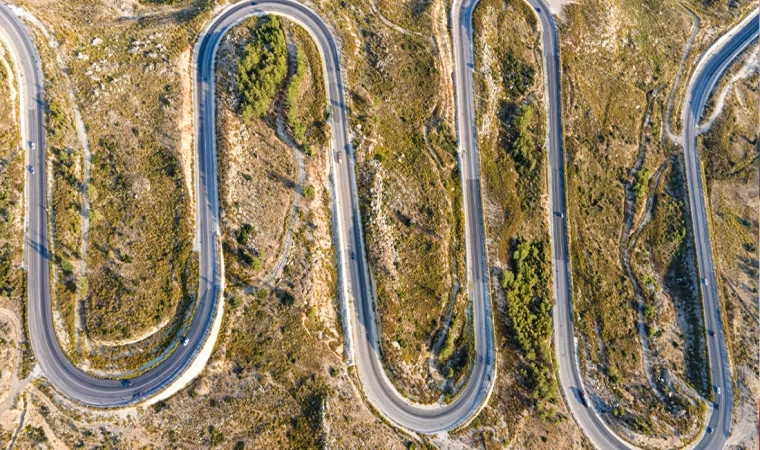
(516, 76)
(528, 310)
(291, 99)
(262, 68)
(528, 158)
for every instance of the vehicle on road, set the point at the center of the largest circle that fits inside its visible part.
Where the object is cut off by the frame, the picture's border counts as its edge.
(31, 170)
(340, 157)
(31, 145)
(353, 256)
(711, 333)
(717, 390)
(538, 10)
(709, 430)
(584, 400)
(126, 383)
(705, 282)
(185, 341)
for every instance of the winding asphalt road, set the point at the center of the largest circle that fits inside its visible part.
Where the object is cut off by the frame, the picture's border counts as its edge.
(355, 281)
(703, 82)
(89, 390)
(564, 336)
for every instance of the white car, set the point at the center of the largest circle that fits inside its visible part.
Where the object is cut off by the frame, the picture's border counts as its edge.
(31, 145)
(705, 282)
(185, 341)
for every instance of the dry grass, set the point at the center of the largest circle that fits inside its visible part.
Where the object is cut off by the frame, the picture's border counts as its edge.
(510, 37)
(141, 274)
(12, 173)
(277, 378)
(408, 185)
(616, 77)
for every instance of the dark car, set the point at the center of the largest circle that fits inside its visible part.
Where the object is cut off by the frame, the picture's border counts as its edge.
(126, 383)
(709, 430)
(583, 399)
(711, 332)
(538, 10)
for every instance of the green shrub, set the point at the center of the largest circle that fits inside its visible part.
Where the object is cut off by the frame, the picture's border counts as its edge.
(648, 312)
(641, 182)
(244, 233)
(308, 192)
(528, 307)
(217, 437)
(291, 99)
(516, 76)
(262, 69)
(527, 156)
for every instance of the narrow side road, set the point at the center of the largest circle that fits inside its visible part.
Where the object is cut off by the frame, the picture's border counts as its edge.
(709, 70)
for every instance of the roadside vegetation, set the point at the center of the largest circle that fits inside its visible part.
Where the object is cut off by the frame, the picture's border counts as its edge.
(528, 309)
(283, 337)
(526, 409)
(262, 69)
(277, 378)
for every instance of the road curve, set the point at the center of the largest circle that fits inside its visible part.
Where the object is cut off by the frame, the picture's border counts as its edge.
(68, 379)
(709, 70)
(353, 269)
(378, 389)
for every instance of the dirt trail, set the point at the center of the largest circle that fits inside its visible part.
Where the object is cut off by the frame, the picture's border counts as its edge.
(627, 241)
(284, 135)
(444, 331)
(394, 26)
(16, 386)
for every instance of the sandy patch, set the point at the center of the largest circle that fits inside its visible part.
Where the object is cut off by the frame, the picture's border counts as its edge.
(556, 6)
